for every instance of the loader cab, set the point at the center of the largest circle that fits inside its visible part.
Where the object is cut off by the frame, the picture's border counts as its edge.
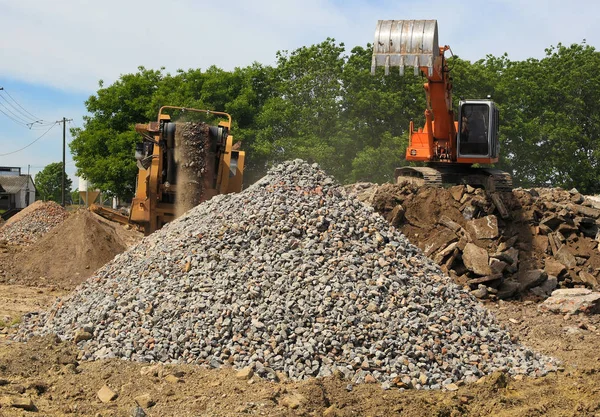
(478, 123)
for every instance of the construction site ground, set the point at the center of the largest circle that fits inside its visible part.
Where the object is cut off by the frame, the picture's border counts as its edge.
(45, 376)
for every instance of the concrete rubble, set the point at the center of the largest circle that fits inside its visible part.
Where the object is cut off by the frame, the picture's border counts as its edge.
(572, 301)
(528, 242)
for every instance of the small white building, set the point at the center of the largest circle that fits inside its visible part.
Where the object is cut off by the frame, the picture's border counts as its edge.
(17, 190)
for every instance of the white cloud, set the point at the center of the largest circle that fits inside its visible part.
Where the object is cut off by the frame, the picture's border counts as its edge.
(72, 44)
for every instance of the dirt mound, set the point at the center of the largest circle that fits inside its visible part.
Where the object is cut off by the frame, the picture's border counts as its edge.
(70, 253)
(527, 241)
(33, 222)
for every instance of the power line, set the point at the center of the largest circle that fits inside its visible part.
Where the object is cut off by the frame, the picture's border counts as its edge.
(16, 111)
(27, 146)
(15, 118)
(20, 115)
(23, 108)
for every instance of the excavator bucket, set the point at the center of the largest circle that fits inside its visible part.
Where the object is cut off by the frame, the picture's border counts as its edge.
(405, 43)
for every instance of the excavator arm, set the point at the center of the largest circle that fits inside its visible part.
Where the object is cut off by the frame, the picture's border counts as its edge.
(414, 43)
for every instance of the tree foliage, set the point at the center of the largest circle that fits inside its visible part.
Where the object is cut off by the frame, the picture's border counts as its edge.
(48, 183)
(321, 103)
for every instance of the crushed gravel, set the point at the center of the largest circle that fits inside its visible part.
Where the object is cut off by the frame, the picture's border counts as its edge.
(290, 276)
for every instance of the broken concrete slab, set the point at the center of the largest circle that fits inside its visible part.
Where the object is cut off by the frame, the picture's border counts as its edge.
(485, 280)
(508, 289)
(441, 255)
(532, 278)
(540, 243)
(585, 211)
(565, 257)
(572, 301)
(449, 223)
(483, 228)
(497, 266)
(553, 267)
(438, 241)
(507, 244)
(588, 278)
(476, 260)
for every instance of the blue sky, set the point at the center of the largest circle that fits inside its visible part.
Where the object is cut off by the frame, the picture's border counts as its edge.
(54, 53)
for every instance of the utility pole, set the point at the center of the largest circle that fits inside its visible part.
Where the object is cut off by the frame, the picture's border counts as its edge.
(64, 123)
(27, 188)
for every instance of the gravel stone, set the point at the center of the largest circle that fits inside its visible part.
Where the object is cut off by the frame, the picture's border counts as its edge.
(290, 277)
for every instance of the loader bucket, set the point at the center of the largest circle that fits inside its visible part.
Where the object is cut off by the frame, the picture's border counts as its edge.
(405, 43)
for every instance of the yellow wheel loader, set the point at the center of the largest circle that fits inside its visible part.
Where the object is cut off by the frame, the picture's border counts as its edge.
(181, 164)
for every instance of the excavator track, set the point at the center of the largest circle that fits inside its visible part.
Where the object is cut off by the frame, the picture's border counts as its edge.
(490, 179)
(501, 180)
(430, 176)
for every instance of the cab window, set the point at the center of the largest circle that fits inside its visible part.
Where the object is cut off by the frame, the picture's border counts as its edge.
(474, 127)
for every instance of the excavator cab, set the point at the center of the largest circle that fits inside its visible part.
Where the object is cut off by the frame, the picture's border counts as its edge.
(477, 129)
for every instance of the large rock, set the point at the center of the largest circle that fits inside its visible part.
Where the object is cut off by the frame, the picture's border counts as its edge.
(572, 301)
(457, 192)
(439, 241)
(546, 288)
(553, 267)
(497, 265)
(476, 260)
(508, 289)
(565, 257)
(588, 278)
(533, 278)
(483, 228)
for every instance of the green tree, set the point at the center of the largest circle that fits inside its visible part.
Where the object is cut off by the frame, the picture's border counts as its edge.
(551, 118)
(301, 119)
(75, 197)
(322, 104)
(103, 150)
(48, 183)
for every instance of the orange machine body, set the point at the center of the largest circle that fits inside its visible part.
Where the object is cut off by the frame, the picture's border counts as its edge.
(437, 140)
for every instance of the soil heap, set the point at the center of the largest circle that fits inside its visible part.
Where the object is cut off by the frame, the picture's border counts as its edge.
(294, 276)
(33, 222)
(530, 242)
(70, 253)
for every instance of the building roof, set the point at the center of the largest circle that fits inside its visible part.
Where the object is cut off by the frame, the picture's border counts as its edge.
(12, 184)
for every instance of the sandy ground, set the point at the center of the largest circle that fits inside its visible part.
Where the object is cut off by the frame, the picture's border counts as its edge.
(47, 373)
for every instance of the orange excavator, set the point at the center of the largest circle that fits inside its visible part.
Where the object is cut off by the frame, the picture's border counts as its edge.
(447, 145)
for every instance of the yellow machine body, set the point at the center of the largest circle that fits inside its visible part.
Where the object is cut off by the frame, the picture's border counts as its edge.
(154, 203)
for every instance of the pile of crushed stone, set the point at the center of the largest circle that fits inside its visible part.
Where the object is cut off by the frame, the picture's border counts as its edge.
(33, 222)
(291, 275)
(71, 252)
